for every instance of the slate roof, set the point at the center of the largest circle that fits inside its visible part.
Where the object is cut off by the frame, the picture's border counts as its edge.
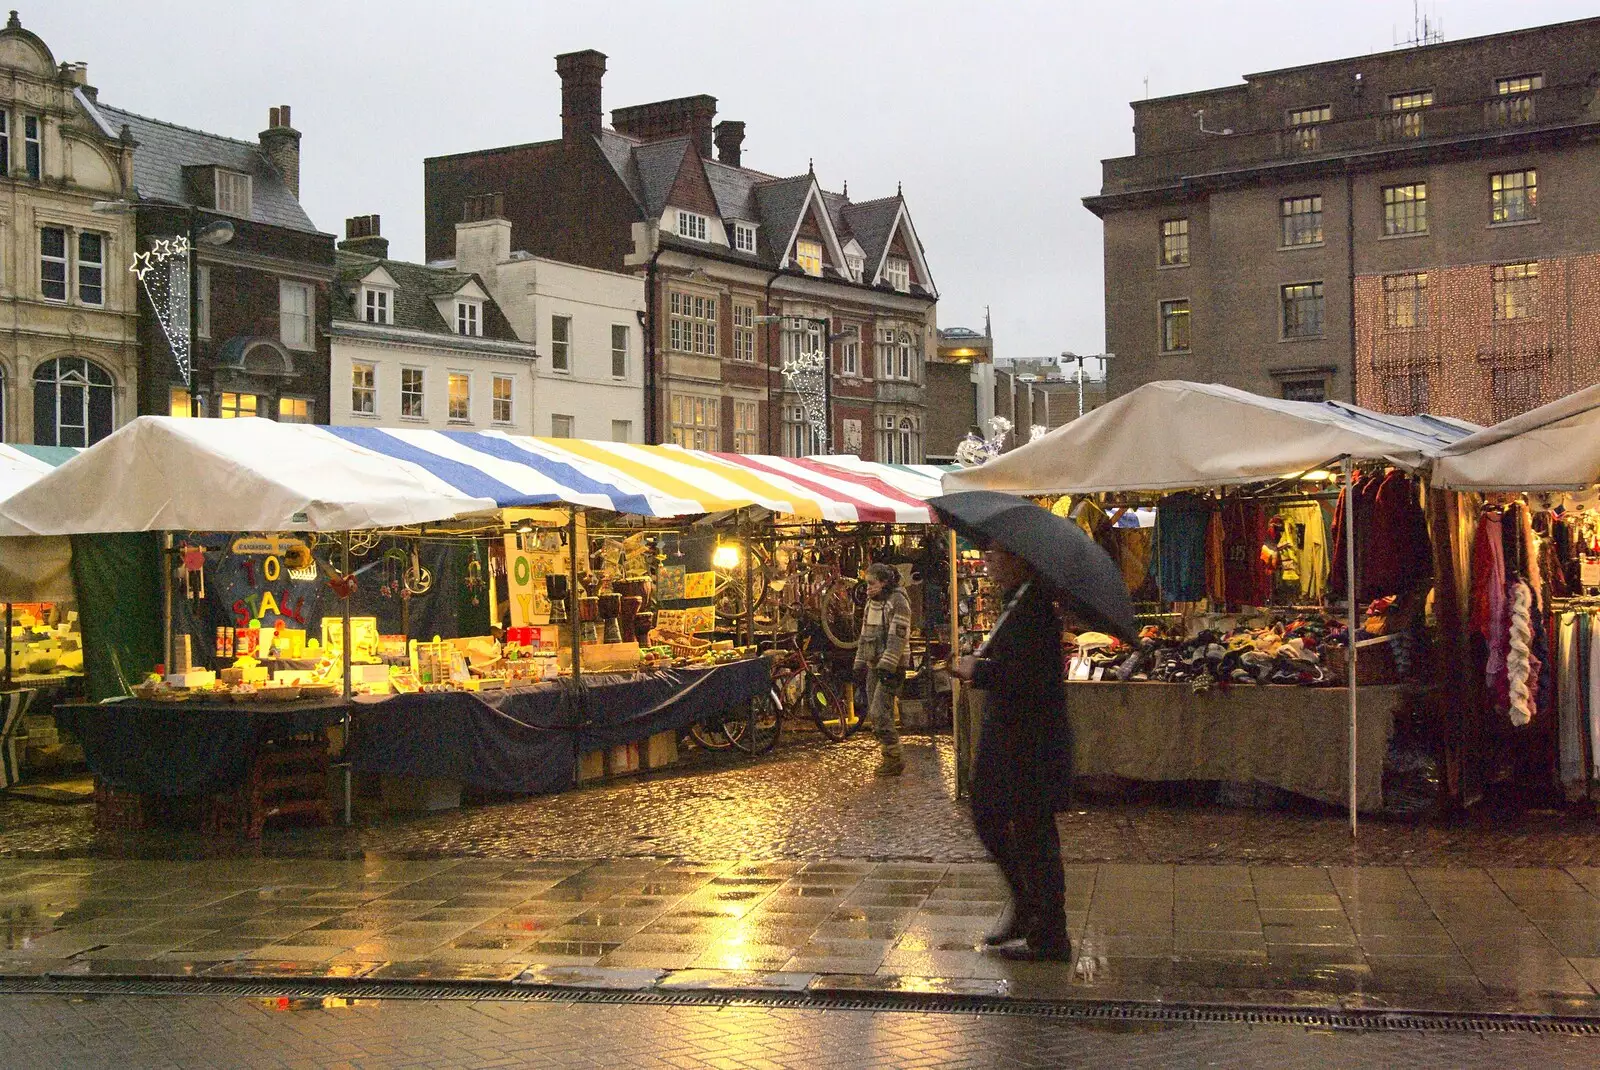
(416, 287)
(872, 223)
(659, 163)
(164, 150)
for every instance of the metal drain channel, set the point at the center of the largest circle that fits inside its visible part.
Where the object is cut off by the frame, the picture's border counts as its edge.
(1078, 1011)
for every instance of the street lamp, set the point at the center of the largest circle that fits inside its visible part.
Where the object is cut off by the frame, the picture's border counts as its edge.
(1101, 357)
(801, 370)
(169, 291)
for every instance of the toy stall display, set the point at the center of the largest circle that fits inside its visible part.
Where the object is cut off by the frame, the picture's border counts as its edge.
(46, 643)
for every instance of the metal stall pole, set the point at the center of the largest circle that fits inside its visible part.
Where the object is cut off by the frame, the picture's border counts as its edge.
(957, 736)
(749, 585)
(166, 601)
(344, 568)
(575, 627)
(8, 645)
(1350, 625)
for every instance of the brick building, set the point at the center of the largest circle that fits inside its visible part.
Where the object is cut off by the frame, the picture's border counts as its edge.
(1413, 229)
(742, 269)
(261, 345)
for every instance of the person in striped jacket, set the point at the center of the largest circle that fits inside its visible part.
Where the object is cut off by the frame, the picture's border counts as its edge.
(881, 658)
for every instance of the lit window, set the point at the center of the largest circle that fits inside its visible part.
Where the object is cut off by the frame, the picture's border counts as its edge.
(808, 255)
(1405, 120)
(294, 314)
(179, 402)
(1301, 221)
(1514, 99)
(412, 396)
(502, 399)
(73, 403)
(691, 225)
(745, 439)
(233, 193)
(898, 271)
(744, 237)
(1305, 133)
(619, 351)
(1516, 291)
(851, 351)
(53, 263)
(459, 387)
(1302, 310)
(233, 406)
(376, 306)
(560, 425)
(1175, 326)
(744, 332)
(364, 389)
(92, 268)
(294, 410)
(1174, 242)
(1405, 209)
(692, 324)
(561, 343)
(1514, 196)
(33, 146)
(1405, 301)
(696, 422)
(469, 318)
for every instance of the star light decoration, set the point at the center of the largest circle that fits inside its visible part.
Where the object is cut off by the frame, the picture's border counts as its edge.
(805, 374)
(164, 274)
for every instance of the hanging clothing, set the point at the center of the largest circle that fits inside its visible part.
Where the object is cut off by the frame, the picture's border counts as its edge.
(1246, 578)
(1572, 632)
(1398, 557)
(1488, 619)
(1134, 549)
(1522, 666)
(1216, 556)
(1311, 540)
(1181, 523)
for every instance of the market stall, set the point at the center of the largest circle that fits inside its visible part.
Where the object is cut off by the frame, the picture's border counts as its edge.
(1218, 464)
(272, 615)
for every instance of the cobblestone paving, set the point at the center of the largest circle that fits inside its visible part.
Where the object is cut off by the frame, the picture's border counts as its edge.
(817, 801)
(1466, 939)
(198, 1032)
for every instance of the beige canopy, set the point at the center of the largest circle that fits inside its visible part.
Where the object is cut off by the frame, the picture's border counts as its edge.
(1554, 447)
(1173, 435)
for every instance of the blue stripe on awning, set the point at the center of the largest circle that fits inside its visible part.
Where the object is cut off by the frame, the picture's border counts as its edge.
(558, 472)
(463, 477)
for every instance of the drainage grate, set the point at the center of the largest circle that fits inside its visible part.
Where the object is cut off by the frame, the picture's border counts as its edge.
(1078, 1011)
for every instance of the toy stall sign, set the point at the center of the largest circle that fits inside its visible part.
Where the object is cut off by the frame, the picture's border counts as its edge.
(530, 558)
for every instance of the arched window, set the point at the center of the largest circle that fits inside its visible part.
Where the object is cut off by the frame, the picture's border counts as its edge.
(907, 440)
(72, 403)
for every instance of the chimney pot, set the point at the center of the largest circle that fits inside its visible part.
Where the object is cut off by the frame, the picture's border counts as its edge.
(361, 235)
(581, 74)
(281, 143)
(730, 141)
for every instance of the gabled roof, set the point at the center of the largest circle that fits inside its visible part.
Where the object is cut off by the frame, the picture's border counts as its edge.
(164, 150)
(416, 288)
(778, 204)
(872, 224)
(659, 163)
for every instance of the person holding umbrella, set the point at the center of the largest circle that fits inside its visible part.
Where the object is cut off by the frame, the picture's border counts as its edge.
(1024, 760)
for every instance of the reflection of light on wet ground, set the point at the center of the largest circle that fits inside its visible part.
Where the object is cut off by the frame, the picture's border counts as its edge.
(307, 1003)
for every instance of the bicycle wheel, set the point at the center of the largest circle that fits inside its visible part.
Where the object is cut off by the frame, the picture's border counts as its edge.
(761, 721)
(841, 616)
(830, 709)
(711, 733)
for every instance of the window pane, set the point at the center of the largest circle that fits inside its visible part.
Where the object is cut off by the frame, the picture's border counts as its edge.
(460, 388)
(1175, 326)
(294, 410)
(53, 263)
(619, 351)
(1405, 209)
(91, 269)
(1174, 242)
(1302, 310)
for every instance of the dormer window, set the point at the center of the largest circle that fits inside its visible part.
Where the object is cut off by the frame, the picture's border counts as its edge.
(808, 255)
(232, 193)
(691, 225)
(857, 266)
(898, 272)
(377, 305)
(469, 318)
(744, 237)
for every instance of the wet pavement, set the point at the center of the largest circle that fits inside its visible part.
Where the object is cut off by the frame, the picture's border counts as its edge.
(120, 1032)
(818, 801)
(1524, 940)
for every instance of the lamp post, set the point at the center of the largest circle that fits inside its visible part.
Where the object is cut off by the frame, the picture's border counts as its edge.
(158, 285)
(799, 367)
(1101, 357)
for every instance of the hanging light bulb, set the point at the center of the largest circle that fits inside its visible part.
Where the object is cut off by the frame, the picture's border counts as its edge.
(726, 556)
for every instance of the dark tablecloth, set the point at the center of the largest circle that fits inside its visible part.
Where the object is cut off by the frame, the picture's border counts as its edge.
(184, 748)
(528, 739)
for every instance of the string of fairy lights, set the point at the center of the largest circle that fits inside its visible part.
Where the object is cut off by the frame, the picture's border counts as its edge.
(163, 272)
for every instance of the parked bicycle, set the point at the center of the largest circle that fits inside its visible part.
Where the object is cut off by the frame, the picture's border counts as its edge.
(802, 684)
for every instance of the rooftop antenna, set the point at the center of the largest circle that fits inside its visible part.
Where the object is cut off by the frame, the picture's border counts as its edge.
(1425, 29)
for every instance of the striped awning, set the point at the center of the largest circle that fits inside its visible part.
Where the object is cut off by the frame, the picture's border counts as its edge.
(160, 473)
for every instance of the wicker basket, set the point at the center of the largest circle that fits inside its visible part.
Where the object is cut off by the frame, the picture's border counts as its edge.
(683, 646)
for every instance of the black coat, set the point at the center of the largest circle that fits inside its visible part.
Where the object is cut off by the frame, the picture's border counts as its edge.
(1025, 730)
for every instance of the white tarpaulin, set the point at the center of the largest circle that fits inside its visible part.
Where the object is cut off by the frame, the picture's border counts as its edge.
(1554, 447)
(1175, 435)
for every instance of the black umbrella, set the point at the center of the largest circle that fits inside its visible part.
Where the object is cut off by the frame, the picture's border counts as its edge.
(1086, 580)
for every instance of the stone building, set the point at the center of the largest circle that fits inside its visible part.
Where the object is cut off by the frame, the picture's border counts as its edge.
(422, 345)
(69, 359)
(742, 270)
(1413, 229)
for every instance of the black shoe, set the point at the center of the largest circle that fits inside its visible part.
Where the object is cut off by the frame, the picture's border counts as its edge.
(1016, 927)
(1058, 950)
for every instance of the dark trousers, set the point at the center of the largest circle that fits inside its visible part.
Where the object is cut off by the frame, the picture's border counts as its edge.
(1014, 813)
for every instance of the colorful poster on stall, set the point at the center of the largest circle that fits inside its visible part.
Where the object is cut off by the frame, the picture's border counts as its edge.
(698, 619)
(670, 587)
(700, 585)
(671, 620)
(529, 559)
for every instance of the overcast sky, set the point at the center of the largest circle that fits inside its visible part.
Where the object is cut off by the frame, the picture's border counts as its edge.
(994, 115)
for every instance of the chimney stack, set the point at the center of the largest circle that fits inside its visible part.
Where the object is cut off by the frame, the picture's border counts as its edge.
(281, 143)
(581, 74)
(730, 139)
(362, 235)
(689, 117)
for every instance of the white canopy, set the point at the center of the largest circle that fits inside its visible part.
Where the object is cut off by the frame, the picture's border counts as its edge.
(1173, 435)
(1554, 447)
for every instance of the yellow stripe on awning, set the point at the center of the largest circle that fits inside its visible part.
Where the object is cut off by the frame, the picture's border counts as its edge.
(654, 477)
